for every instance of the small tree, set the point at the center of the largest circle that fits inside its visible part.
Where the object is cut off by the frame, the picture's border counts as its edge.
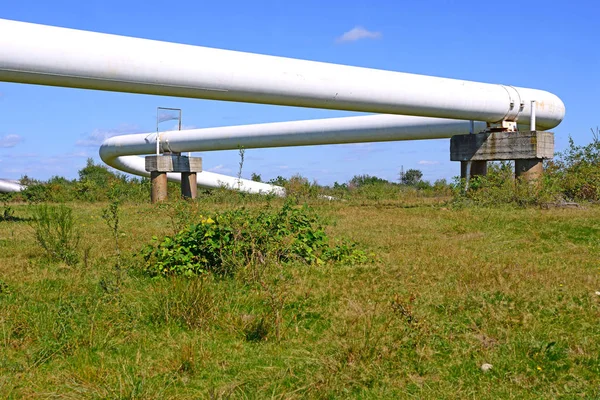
(361, 180)
(279, 181)
(412, 177)
(256, 177)
(96, 174)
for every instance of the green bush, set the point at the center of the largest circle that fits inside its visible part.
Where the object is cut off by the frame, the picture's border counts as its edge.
(222, 242)
(576, 171)
(574, 175)
(55, 232)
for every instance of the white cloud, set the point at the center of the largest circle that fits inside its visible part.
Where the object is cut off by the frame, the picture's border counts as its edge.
(358, 33)
(97, 136)
(219, 168)
(428, 162)
(21, 155)
(11, 140)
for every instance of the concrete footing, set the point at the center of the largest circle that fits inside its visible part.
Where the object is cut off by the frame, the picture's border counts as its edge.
(159, 165)
(476, 168)
(527, 149)
(158, 191)
(529, 170)
(189, 185)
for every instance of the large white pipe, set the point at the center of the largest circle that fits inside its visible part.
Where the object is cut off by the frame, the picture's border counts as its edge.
(39, 54)
(120, 151)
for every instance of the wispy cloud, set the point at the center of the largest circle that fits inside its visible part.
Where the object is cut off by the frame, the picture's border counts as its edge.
(428, 162)
(21, 155)
(358, 33)
(219, 168)
(60, 158)
(42, 166)
(10, 140)
(97, 136)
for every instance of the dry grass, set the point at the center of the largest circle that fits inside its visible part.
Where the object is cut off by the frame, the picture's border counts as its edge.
(453, 289)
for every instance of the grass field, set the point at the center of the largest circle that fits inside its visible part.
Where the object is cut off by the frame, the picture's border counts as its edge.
(452, 289)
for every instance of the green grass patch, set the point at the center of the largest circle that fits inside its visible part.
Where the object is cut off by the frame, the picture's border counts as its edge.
(451, 289)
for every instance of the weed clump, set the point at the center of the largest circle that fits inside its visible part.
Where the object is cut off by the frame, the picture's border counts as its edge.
(55, 232)
(222, 242)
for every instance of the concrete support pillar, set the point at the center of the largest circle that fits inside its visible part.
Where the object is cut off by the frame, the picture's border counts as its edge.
(478, 168)
(159, 165)
(189, 185)
(159, 186)
(529, 170)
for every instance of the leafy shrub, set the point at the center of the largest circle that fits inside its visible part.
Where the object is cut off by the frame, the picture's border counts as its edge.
(36, 193)
(222, 242)
(500, 187)
(576, 171)
(55, 232)
(299, 187)
(574, 176)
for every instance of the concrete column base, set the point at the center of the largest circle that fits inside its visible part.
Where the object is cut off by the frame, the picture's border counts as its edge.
(478, 168)
(159, 186)
(529, 170)
(189, 185)
(159, 165)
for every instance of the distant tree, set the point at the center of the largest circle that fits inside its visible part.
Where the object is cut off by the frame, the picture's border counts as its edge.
(412, 177)
(58, 180)
(256, 177)
(340, 186)
(279, 181)
(98, 174)
(440, 184)
(361, 180)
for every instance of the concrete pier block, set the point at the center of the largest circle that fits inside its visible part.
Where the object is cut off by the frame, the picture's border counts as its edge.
(527, 149)
(189, 185)
(477, 168)
(529, 170)
(159, 165)
(158, 191)
(494, 146)
(173, 163)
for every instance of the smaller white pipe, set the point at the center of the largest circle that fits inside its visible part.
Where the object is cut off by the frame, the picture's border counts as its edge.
(119, 151)
(10, 186)
(533, 110)
(208, 180)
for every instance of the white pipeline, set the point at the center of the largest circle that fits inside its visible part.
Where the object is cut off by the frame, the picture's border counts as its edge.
(8, 186)
(120, 151)
(45, 55)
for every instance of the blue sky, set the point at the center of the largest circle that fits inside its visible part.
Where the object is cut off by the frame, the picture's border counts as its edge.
(546, 45)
